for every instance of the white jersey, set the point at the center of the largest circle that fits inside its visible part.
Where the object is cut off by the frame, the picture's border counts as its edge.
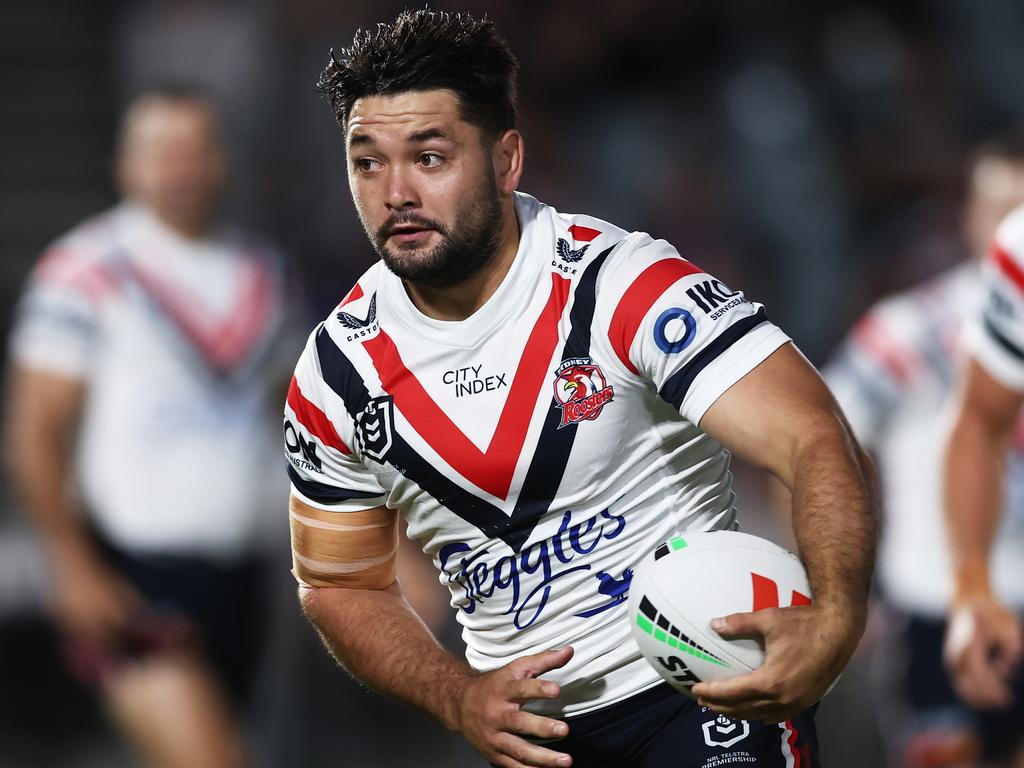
(179, 344)
(540, 448)
(893, 377)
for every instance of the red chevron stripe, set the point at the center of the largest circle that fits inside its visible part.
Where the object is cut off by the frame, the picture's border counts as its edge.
(353, 295)
(314, 420)
(638, 299)
(491, 470)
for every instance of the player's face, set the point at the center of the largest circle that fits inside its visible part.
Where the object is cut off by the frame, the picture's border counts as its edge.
(424, 184)
(996, 188)
(173, 162)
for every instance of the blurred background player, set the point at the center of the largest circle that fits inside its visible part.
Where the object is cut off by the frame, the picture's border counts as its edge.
(892, 377)
(144, 368)
(984, 645)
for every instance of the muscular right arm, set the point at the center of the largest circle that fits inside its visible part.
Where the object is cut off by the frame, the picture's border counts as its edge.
(375, 634)
(349, 593)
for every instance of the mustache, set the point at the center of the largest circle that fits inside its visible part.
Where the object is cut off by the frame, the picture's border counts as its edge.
(405, 219)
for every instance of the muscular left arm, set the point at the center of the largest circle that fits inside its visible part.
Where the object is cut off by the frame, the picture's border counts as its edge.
(781, 417)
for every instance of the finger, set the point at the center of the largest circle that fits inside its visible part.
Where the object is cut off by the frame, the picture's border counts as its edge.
(742, 624)
(539, 663)
(977, 680)
(529, 724)
(524, 689)
(751, 686)
(530, 754)
(1009, 647)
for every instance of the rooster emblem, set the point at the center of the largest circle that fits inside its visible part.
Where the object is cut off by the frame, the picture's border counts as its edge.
(581, 391)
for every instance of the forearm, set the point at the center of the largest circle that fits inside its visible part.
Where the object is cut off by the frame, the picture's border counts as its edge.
(973, 497)
(379, 639)
(835, 517)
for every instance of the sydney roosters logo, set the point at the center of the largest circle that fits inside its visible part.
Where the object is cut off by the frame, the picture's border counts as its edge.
(581, 390)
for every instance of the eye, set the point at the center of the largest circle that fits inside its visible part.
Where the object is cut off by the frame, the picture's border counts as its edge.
(366, 164)
(430, 160)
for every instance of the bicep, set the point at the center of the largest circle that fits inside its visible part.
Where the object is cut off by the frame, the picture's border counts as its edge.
(42, 405)
(353, 550)
(770, 413)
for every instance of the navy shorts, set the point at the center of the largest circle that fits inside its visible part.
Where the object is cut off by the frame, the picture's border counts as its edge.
(220, 608)
(919, 706)
(662, 728)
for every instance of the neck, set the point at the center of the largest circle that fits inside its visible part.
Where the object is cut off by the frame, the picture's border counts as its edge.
(184, 227)
(457, 302)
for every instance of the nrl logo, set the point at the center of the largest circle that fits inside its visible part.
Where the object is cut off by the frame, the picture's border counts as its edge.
(568, 254)
(581, 390)
(353, 322)
(375, 428)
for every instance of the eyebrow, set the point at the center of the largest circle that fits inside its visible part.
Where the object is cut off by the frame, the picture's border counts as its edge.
(360, 139)
(427, 135)
(417, 137)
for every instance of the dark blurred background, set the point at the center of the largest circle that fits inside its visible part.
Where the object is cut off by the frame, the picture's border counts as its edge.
(810, 154)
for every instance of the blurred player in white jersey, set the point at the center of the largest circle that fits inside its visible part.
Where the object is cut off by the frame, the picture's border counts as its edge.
(145, 361)
(545, 398)
(894, 376)
(985, 645)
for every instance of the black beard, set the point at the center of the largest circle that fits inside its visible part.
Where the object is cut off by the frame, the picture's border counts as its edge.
(464, 251)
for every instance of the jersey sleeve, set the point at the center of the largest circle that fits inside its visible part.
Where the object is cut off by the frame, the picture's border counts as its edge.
(684, 330)
(872, 371)
(323, 466)
(57, 321)
(995, 334)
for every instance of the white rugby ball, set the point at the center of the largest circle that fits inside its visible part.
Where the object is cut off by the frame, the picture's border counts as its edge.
(695, 577)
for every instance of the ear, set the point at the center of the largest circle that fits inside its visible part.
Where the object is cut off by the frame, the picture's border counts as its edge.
(507, 156)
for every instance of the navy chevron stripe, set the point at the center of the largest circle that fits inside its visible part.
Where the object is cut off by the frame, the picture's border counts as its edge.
(678, 384)
(326, 494)
(549, 459)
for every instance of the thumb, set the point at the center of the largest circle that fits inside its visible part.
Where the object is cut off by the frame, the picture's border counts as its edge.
(739, 625)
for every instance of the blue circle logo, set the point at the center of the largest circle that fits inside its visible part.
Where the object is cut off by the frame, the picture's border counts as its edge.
(666, 345)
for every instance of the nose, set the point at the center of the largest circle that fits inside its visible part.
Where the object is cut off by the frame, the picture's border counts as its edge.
(401, 192)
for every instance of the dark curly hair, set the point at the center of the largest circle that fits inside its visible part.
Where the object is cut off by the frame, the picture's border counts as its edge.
(426, 50)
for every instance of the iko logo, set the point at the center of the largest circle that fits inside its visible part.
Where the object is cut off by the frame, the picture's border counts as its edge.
(710, 294)
(766, 594)
(375, 428)
(723, 732)
(689, 330)
(361, 327)
(296, 444)
(570, 255)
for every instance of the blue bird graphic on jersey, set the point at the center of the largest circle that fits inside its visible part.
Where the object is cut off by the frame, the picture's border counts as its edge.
(616, 589)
